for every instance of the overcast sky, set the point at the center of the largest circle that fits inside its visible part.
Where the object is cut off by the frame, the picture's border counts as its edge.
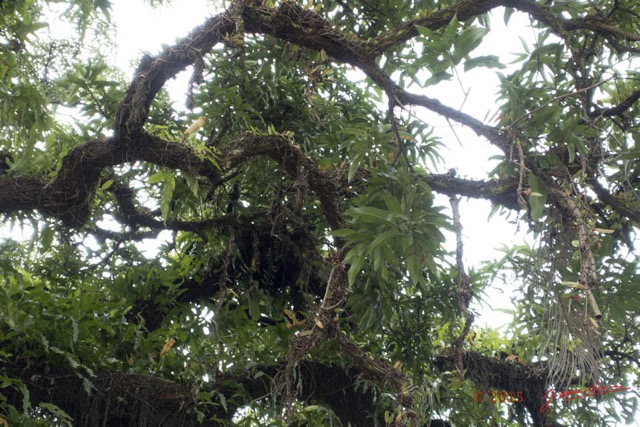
(144, 30)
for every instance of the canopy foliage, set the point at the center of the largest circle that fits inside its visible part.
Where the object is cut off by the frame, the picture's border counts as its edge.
(300, 274)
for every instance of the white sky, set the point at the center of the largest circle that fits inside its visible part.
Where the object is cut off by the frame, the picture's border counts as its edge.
(481, 235)
(142, 29)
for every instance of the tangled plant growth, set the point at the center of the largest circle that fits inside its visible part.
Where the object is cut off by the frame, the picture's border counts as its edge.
(303, 280)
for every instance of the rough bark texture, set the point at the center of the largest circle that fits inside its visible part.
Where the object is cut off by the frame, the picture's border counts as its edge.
(137, 400)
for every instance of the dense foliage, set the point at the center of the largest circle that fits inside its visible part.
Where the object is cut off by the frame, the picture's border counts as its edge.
(274, 253)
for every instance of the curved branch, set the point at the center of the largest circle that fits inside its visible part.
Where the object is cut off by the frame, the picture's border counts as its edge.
(153, 73)
(68, 196)
(619, 109)
(561, 26)
(293, 23)
(463, 10)
(290, 157)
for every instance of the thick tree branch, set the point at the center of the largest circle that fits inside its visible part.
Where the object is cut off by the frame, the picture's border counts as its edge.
(293, 23)
(69, 195)
(133, 399)
(463, 10)
(21, 193)
(153, 73)
(291, 158)
(529, 379)
(613, 202)
(500, 192)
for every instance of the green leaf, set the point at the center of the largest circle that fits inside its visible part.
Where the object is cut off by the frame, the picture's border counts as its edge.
(356, 266)
(254, 307)
(415, 268)
(19, 385)
(46, 238)
(223, 400)
(470, 39)
(545, 115)
(430, 264)
(392, 203)
(381, 239)
(57, 412)
(88, 386)
(353, 167)
(450, 31)
(75, 330)
(488, 61)
(438, 77)
(157, 177)
(537, 203)
(106, 185)
(373, 215)
(508, 11)
(571, 148)
(571, 284)
(167, 195)
(424, 31)
(345, 233)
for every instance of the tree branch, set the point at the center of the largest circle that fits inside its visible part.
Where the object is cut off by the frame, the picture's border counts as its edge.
(612, 201)
(529, 379)
(153, 73)
(501, 192)
(588, 269)
(619, 109)
(463, 10)
(119, 398)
